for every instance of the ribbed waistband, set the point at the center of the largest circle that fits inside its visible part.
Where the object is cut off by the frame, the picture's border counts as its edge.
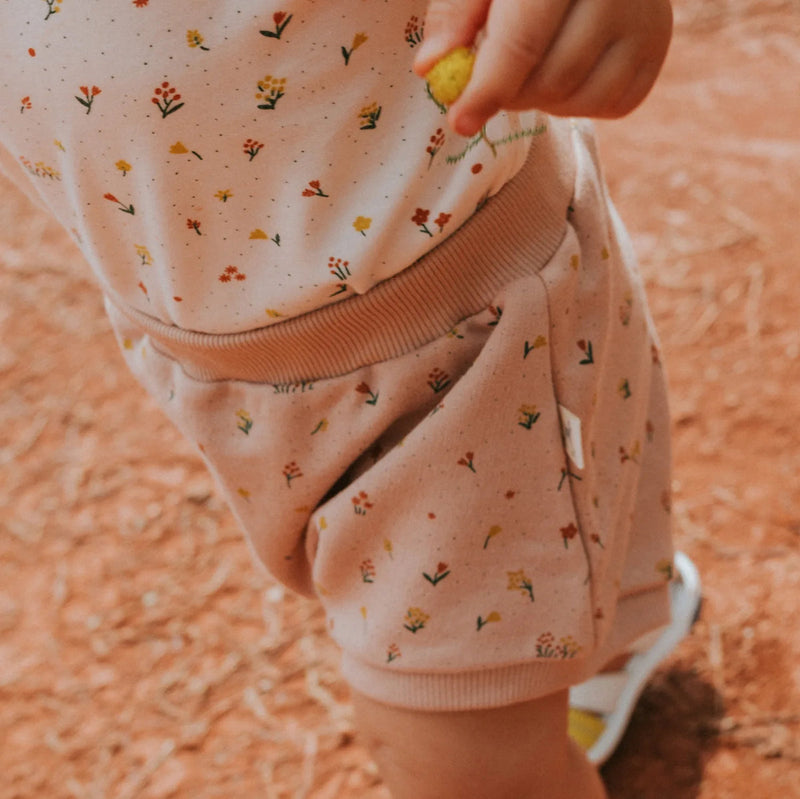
(515, 234)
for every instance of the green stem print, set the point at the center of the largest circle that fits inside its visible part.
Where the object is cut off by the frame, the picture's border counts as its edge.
(128, 209)
(624, 388)
(586, 348)
(415, 619)
(363, 388)
(441, 572)
(492, 617)
(565, 473)
(493, 144)
(53, 7)
(281, 20)
(88, 96)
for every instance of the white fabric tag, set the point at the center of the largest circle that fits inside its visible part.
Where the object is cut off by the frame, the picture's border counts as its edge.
(571, 430)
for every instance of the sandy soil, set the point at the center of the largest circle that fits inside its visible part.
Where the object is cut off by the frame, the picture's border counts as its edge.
(141, 655)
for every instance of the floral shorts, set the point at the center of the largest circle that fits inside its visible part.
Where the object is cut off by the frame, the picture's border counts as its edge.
(468, 465)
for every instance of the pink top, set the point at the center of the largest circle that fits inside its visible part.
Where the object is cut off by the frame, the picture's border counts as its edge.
(225, 165)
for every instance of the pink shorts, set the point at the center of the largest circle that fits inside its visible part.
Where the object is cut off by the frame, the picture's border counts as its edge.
(468, 465)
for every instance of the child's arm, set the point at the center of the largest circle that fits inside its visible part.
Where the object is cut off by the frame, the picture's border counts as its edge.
(595, 58)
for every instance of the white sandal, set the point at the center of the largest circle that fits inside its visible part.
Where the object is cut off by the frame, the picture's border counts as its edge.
(600, 708)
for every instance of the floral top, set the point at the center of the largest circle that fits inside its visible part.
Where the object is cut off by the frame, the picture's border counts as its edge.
(224, 165)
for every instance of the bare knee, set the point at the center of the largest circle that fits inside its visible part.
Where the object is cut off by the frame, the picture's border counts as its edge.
(512, 752)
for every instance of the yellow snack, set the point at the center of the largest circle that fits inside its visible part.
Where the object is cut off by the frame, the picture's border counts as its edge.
(450, 75)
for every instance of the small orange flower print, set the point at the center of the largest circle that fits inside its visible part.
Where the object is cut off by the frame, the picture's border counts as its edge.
(441, 572)
(361, 503)
(568, 533)
(314, 189)
(140, 3)
(369, 116)
(128, 209)
(194, 224)
(165, 97)
(231, 273)
(25, 103)
(467, 461)
(358, 40)
(270, 90)
(88, 96)
(281, 20)
(416, 619)
(367, 569)
(595, 538)
(392, 653)
(438, 380)
(363, 388)
(362, 224)
(252, 148)
(291, 472)
(519, 581)
(194, 39)
(53, 7)
(414, 31)
(442, 220)
(420, 219)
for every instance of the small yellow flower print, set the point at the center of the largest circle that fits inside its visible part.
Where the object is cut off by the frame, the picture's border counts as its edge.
(538, 343)
(178, 148)
(494, 530)
(272, 313)
(665, 568)
(575, 261)
(415, 619)
(258, 234)
(387, 545)
(362, 224)
(270, 90)
(194, 39)
(243, 493)
(245, 422)
(494, 616)
(59, 145)
(604, 254)
(321, 427)
(358, 40)
(369, 116)
(123, 167)
(528, 416)
(519, 581)
(224, 194)
(144, 254)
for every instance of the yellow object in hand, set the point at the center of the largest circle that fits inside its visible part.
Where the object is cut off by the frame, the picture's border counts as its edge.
(450, 75)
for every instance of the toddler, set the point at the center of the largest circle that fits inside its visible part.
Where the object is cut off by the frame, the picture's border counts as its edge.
(410, 341)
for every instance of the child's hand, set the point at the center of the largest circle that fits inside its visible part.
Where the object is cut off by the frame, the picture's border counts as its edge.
(596, 58)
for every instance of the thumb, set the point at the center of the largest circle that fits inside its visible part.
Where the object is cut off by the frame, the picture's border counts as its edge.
(449, 24)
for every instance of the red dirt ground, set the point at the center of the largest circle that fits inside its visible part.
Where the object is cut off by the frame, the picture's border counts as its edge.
(142, 656)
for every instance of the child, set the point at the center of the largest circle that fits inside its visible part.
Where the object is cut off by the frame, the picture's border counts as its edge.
(414, 352)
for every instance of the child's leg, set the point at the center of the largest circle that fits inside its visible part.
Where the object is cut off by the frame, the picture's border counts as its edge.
(515, 752)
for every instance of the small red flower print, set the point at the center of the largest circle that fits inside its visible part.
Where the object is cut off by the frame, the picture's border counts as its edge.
(25, 103)
(361, 503)
(567, 533)
(140, 3)
(31, 52)
(341, 270)
(414, 31)
(281, 20)
(291, 471)
(252, 147)
(467, 461)
(438, 380)
(194, 224)
(367, 568)
(420, 219)
(441, 572)
(88, 96)
(314, 190)
(442, 220)
(436, 143)
(363, 388)
(595, 538)
(128, 209)
(477, 168)
(231, 273)
(392, 653)
(165, 97)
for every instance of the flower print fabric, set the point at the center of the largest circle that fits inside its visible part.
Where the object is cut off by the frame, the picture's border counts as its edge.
(279, 156)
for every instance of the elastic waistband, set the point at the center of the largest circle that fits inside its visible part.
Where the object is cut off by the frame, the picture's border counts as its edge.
(513, 235)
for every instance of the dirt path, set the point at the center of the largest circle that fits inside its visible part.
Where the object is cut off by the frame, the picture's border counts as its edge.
(141, 656)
